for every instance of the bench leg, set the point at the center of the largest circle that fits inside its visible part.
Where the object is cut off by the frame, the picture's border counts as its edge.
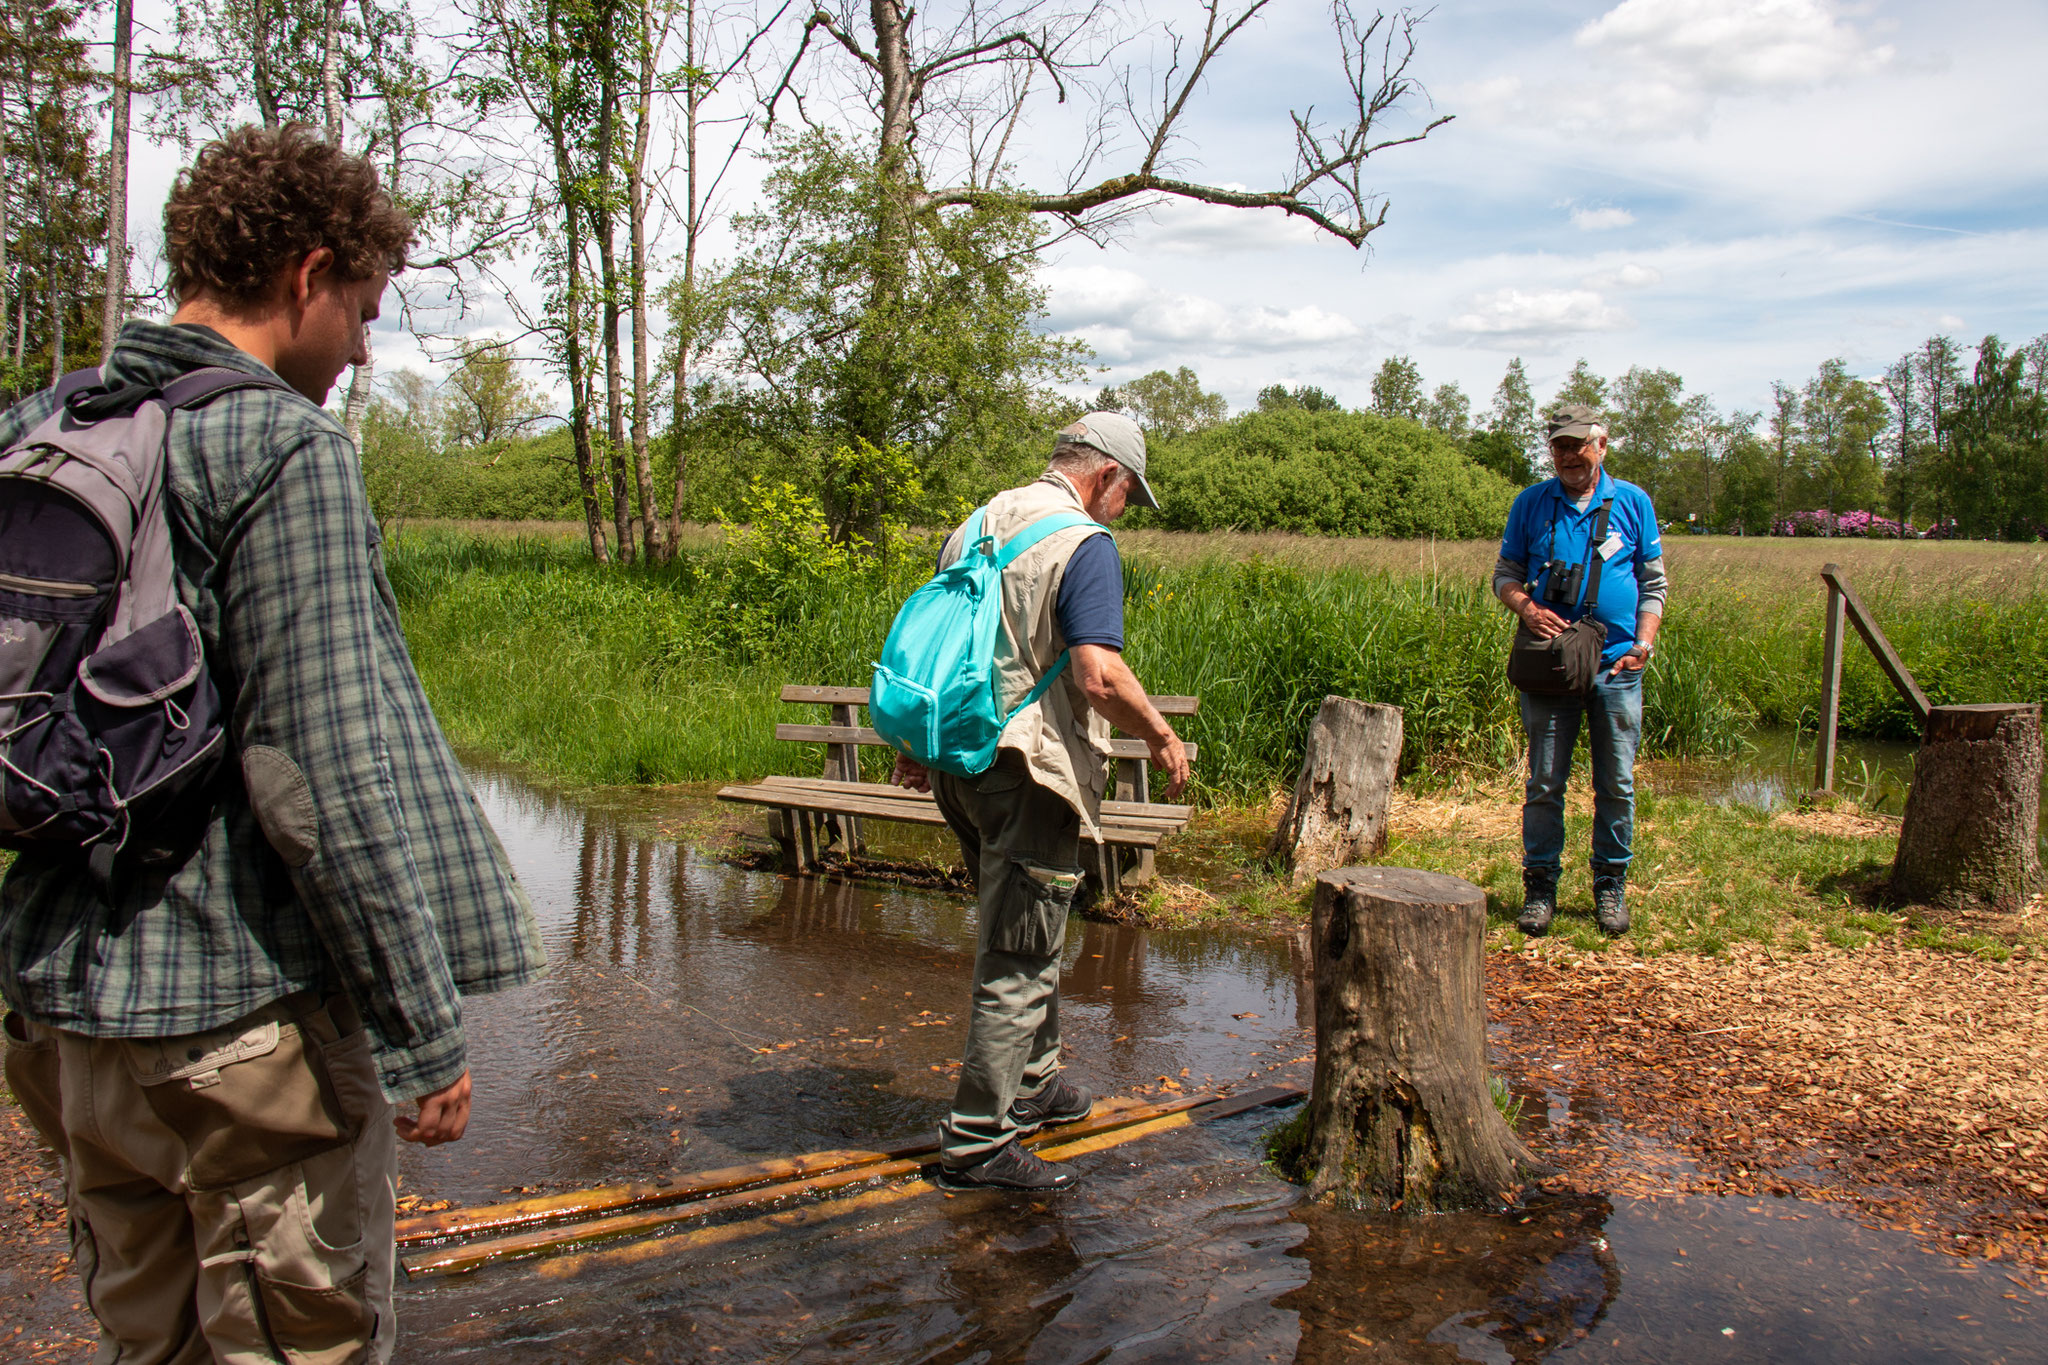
(807, 841)
(782, 829)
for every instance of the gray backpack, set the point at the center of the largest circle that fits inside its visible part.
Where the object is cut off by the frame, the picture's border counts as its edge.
(108, 715)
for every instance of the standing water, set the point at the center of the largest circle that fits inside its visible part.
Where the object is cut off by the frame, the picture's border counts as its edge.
(697, 1016)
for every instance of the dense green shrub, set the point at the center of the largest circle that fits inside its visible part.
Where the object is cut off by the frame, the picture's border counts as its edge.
(1332, 473)
(523, 479)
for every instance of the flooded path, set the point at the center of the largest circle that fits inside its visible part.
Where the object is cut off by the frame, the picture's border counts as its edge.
(699, 1015)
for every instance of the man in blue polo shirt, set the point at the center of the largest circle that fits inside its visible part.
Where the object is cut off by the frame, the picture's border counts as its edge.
(1551, 530)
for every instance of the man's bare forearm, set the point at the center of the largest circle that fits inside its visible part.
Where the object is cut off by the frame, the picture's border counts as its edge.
(1115, 694)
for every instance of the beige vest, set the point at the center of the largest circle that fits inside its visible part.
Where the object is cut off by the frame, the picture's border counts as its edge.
(1065, 744)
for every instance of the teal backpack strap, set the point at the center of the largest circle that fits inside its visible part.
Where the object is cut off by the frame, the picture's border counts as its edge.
(1017, 545)
(1052, 674)
(1040, 529)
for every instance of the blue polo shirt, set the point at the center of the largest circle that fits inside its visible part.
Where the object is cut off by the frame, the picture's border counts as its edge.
(1544, 525)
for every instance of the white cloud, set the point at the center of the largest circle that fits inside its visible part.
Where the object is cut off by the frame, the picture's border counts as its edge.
(1601, 220)
(1189, 227)
(1536, 315)
(1128, 319)
(1948, 322)
(1628, 276)
(1669, 62)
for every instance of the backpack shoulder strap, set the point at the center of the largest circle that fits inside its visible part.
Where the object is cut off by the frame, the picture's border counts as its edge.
(1040, 529)
(190, 390)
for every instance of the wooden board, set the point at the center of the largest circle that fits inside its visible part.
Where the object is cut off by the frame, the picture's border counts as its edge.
(861, 734)
(1120, 810)
(858, 696)
(1138, 833)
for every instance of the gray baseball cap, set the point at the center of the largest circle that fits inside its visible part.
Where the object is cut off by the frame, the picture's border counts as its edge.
(1577, 421)
(1118, 437)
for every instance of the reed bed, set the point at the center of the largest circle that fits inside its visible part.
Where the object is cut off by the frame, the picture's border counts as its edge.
(670, 673)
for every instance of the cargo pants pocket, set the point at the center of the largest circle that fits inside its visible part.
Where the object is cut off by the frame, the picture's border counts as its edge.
(1031, 918)
(31, 1072)
(301, 1245)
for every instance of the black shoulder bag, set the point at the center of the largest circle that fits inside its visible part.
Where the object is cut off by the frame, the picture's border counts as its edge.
(1566, 664)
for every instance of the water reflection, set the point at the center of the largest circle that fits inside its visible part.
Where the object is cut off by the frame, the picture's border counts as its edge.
(1460, 1287)
(697, 1015)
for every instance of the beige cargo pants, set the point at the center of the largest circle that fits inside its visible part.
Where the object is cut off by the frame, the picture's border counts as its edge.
(230, 1192)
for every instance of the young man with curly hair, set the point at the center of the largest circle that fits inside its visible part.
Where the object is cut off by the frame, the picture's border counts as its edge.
(217, 1049)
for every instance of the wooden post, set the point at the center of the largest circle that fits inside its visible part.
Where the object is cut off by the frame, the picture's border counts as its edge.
(1830, 684)
(1134, 783)
(1402, 1115)
(1338, 813)
(1973, 816)
(842, 764)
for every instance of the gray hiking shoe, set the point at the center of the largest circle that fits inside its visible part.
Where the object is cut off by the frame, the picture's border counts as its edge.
(1539, 901)
(1610, 903)
(1009, 1168)
(1060, 1102)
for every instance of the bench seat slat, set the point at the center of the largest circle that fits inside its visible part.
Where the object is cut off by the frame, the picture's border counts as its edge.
(858, 696)
(922, 811)
(861, 734)
(1149, 810)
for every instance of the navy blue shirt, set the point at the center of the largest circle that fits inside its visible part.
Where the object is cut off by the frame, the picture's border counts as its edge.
(1090, 607)
(1544, 525)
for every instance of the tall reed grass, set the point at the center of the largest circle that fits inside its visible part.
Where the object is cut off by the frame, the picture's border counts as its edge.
(658, 674)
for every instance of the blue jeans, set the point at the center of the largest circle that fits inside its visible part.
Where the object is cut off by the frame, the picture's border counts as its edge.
(1615, 710)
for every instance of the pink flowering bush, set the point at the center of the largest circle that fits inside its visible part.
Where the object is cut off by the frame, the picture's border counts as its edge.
(1819, 522)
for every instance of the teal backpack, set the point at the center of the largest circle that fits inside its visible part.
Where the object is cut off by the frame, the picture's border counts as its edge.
(934, 693)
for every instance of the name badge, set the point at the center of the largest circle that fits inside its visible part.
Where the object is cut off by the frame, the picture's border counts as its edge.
(1611, 546)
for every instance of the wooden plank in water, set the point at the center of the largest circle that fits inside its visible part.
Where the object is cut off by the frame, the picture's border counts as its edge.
(469, 1256)
(570, 1204)
(1070, 1145)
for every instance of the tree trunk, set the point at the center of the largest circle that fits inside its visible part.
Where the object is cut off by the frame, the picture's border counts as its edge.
(1402, 1115)
(605, 224)
(1973, 816)
(117, 183)
(1338, 813)
(651, 543)
(362, 381)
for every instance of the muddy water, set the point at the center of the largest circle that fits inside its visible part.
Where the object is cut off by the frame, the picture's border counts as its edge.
(697, 1015)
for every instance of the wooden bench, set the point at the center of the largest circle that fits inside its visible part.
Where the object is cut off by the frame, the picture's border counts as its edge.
(807, 814)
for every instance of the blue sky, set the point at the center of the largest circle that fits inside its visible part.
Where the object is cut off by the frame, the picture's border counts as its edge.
(1734, 190)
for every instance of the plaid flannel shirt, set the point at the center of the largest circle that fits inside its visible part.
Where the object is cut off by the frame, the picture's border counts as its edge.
(409, 897)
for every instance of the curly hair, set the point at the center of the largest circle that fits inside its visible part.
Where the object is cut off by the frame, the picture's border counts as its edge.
(258, 200)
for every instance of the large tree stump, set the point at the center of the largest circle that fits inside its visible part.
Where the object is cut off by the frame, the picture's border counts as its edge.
(1338, 813)
(1402, 1114)
(1973, 817)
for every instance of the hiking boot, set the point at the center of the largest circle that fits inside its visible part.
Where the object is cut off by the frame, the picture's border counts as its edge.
(1060, 1102)
(1009, 1168)
(1610, 903)
(1539, 901)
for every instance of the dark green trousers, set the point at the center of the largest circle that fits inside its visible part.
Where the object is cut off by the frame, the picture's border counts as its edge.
(1023, 844)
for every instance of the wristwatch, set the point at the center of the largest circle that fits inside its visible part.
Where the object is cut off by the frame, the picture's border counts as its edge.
(1645, 648)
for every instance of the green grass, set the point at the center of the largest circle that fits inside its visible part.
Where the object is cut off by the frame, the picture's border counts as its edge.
(591, 675)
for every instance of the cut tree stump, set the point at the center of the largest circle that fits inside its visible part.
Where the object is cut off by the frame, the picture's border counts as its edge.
(1403, 1115)
(1338, 813)
(1973, 816)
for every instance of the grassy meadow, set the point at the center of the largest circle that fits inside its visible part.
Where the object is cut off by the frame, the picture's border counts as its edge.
(665, 674)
